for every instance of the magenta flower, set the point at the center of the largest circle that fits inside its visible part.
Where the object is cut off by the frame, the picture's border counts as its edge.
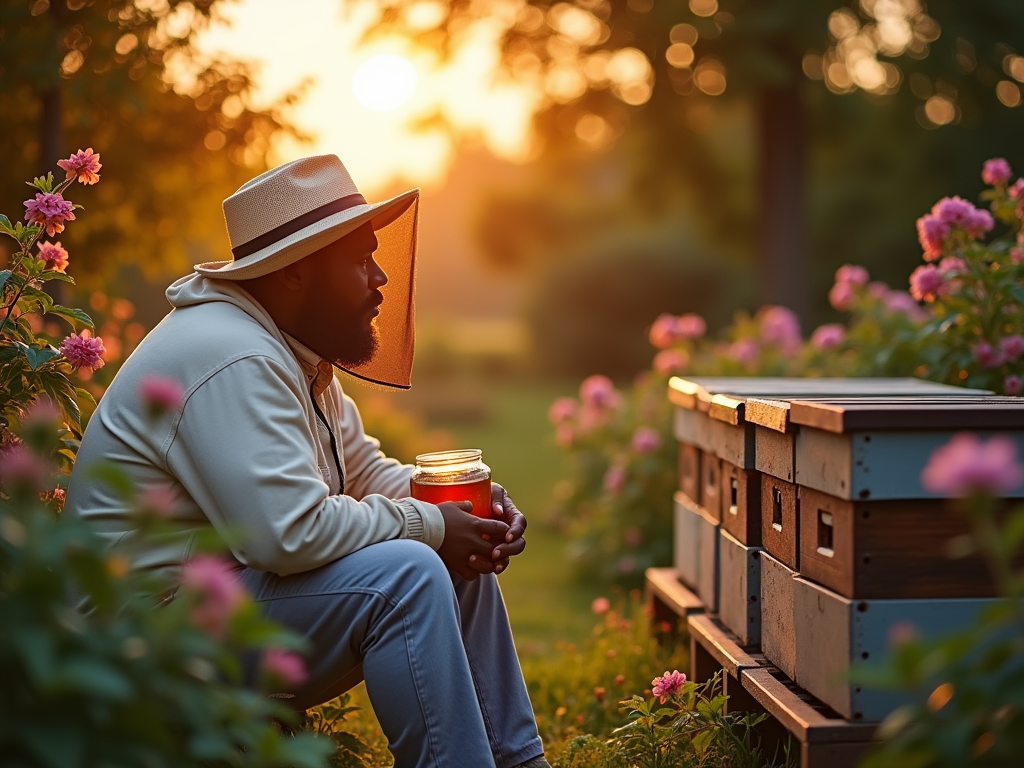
(49, 210)
(979, 222)
(1017, 255)
(564, 435)
(562, 410)
(851, 273)
(22, 468)
(669, 684)
(614, 479)
(84, 164)
(954, 211)
(1012, 347)
(691, 326)
(841, 296)
(966, 466)
(54, 255)
(987, 355)
(996, 172)
(42, 414)
(670, 361)
(927, 283)
(158, 500)
(902, 302)
(220, 592)
(828, 336)
(951, 265)
(878, 290)
(601, 605)
(160, 395)
(663, 331)
(284, 667)
(1011, 385)
(599, 392)
(645, 440)
(932, 233)
(743, 351)
(780, 326)
(1016, 191)
(83, 351)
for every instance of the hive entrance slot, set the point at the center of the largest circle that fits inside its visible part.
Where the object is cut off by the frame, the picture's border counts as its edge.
(734, 490)
(825, 533)
(776, 509)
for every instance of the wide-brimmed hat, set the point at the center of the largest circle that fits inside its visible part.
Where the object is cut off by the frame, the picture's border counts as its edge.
(289, 212)
(293, 210)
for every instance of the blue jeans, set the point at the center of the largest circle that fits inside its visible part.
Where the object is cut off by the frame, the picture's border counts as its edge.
(435, 650)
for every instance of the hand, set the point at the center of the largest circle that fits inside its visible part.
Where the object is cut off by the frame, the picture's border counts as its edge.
(503, 509)
(467, 548)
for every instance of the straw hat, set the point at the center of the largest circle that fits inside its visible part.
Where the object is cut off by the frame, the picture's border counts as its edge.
(293, 210)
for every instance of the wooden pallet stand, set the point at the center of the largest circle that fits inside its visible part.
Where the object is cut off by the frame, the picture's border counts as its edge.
(667, 598)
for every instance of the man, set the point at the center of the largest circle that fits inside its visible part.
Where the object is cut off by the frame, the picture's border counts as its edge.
(264, 446)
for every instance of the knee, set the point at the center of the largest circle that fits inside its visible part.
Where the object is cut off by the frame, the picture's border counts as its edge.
(412, 566)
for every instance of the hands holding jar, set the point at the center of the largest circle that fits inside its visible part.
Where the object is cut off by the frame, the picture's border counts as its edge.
(473, 545)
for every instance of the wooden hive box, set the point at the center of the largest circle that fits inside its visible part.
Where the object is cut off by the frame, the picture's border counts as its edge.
(739, 588)
(876, 448)
(824, 633)
(696, 549)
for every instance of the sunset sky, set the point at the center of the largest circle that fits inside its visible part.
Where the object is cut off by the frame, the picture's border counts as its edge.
(311, 39)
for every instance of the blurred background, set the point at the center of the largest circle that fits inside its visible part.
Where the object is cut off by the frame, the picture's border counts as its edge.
(585, 166)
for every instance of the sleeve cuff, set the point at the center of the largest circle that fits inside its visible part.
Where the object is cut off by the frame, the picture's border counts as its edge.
(423, 522)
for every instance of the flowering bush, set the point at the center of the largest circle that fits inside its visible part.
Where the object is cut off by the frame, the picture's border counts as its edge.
(961, 322)
(965, 688)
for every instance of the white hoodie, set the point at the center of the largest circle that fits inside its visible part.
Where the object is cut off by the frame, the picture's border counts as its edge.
(244, 451)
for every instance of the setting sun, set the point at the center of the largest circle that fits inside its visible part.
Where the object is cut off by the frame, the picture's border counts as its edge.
(383, 83)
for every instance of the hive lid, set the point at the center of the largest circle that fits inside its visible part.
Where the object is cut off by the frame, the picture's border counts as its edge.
(841, 415)
(699, 392)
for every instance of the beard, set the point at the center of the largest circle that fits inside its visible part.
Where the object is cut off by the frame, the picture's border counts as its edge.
(345, 340)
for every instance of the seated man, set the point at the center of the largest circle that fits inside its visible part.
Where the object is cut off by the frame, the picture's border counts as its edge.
(264, 444)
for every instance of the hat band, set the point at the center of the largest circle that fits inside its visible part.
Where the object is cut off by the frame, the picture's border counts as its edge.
(293, 226)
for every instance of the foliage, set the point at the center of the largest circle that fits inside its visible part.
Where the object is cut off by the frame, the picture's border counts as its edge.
(354, 730)
(122, 73)
(965, 689)
(963, 325)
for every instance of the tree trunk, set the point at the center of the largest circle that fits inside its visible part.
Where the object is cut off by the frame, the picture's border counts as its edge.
(783, 263)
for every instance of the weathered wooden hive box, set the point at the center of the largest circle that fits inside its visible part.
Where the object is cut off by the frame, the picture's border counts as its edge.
(866, 546)
(720, 518)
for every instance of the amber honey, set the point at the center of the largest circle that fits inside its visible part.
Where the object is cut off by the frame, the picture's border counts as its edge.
(453, 476)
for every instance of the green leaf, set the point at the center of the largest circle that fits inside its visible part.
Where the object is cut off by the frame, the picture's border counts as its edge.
(53, 275)
(5, 225)
(31, 294)
(4, 277)
(37, 357)
(42, 183)
(73, 315)
(26, 235)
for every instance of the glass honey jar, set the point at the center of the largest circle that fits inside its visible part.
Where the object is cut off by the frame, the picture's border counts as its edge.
(453, 476)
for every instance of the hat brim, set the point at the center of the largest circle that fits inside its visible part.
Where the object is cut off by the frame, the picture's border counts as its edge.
(309, 239)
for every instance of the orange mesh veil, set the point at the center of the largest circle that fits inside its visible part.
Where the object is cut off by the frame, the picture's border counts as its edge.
(391, 366)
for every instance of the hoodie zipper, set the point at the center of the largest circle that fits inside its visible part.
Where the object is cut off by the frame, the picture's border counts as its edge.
(334, 441)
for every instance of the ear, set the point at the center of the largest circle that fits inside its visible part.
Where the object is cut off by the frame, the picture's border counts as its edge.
(291, 277)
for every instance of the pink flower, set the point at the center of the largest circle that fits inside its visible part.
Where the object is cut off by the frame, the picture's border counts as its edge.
(1011, 385)
(670, 361)
(1012, 347)
(927, 283)
(599, 693)
(614, 478)
(663, 331)
(902, 302)
(691, 326)
(42, 415)
(851, 273)
(878, 290)
(83, 351)
(284, 667)
(645, 440)
(220, 592)
(1017, 190)
(601, 605)
(599, 392)
(987, 355)
(842, 295)
(954, 211)
(22, 468)
(1017, 255)
(932, 233)
(564, 435)
(49, 210)
(160, 395)
(966, 465)
(828, 336)
(158, 500)
(979, 222)
(743, 351)
(562, 410)
(669, 684)
(54, 255)
(996, 172)
(83, 164)
(780, 326)
(951, 265)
